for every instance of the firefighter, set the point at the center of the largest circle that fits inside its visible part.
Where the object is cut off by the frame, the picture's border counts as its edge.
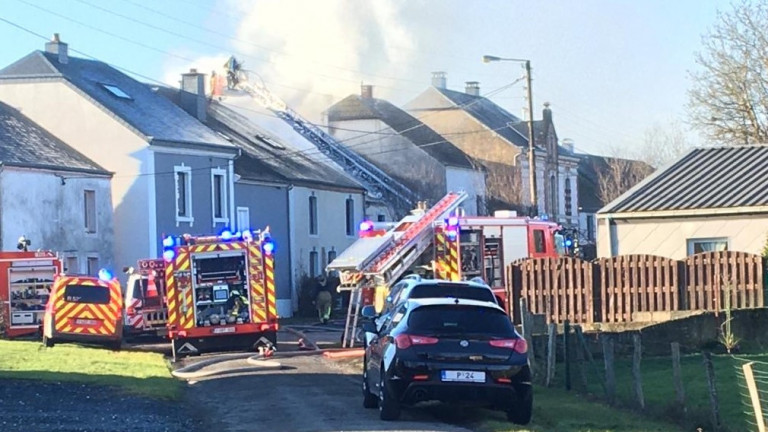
(323, 299)
(236, 304)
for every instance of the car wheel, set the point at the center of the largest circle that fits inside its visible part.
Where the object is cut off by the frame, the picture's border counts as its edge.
(48, 342)
(522, 406)
(369, 399)
(389, 408)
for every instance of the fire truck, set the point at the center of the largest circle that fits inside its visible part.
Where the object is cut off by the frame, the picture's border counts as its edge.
(221, 292)
(25, 284)
(146, 312)
(456, 247)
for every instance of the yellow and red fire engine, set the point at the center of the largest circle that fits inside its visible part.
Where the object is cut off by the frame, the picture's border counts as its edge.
(221, 292)
(25, 286)
(145, 299)
(84, 309)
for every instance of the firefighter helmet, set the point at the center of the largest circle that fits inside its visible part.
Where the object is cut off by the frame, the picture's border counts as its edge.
(231, 319)
(214, 319)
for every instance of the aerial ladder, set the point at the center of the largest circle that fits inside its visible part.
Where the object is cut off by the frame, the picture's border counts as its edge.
(375, 262)
(377, 182)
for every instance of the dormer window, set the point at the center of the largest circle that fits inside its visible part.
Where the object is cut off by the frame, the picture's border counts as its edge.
(117, 91)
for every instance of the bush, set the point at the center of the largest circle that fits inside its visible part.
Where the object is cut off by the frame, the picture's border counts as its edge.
(3, 322)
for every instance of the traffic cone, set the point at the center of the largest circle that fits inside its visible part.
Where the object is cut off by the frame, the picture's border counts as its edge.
(151, 287)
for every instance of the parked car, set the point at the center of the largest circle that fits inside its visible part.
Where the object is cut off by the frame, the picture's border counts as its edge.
(450, 350)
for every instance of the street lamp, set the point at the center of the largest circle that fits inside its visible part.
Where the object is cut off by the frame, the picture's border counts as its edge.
(531, 136)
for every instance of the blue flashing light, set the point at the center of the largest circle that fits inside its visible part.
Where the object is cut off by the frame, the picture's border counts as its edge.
(568, 242)
(247, 236)
(452, 221)
(226, 235)
(169, 242)
(105, 275)
(269, 247)
(366, 225)
(169, 254)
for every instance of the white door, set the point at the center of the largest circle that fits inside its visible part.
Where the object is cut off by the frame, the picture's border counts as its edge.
(243, 218)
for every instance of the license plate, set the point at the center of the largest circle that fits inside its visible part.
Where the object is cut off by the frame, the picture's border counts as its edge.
(87, 322)
(224, 330)
(463, 376)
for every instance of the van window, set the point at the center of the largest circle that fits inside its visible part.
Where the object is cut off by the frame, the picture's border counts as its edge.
(86, 294)
(139, 288)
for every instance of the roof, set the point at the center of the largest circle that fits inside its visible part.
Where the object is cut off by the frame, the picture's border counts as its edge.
(24, 143)
(356, 107)
(705, 178)
(152, 115)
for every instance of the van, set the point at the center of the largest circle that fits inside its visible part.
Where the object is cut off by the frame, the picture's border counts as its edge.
(84, 309)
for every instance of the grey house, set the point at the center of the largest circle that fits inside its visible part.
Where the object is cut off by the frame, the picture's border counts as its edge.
(54, 196)
(172, 174)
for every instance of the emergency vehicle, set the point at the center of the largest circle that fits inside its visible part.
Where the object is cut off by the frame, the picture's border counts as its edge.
(25, 286)
(145, 299)
(221, 292)
(84, 309)
(457, 247)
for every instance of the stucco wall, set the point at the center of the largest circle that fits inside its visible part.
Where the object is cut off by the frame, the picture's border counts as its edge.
(36, 204)
(471, 181)
(669, 237)
(76, 120)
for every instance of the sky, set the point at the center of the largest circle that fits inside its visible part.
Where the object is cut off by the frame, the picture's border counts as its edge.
(611, 70)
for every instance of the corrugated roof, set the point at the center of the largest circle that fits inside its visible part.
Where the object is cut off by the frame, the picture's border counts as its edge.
(355, 107)
(705, 178)
(24, 143)
(149, 113)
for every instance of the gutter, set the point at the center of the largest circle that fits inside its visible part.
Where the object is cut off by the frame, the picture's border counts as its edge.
(685, 213)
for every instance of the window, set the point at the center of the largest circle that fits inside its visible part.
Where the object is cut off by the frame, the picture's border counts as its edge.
(568, 211)
(350, 217)
(89, 207)
(243, 218)
(538, 241)
(313, 215)
(314, 264)
(590, 227)
(331, 255)
(93, 265)
(116, 91)
(92, 294)
(381, 218)
(183, 176)
(457, 319)
(71, 265)
(707, 245)
(219, 195)
(553, 196)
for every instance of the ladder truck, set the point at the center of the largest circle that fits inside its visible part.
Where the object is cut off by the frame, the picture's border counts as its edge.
(373, 262)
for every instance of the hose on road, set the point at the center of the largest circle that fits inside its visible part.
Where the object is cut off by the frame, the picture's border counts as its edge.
(208, 367)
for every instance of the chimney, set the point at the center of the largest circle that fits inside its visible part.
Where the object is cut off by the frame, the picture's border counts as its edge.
(547, 114)
(366, 91)
(438, 80)
(472, 88)
(568, 144)
(56, 46)
(192, 96)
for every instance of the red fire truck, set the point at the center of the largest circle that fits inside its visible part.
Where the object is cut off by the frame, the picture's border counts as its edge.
(25, 286)
(145, 299)
(221, 292)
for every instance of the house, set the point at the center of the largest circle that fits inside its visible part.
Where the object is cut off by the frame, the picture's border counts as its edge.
(54, 196)
(492, 135)
(172, 174)
(711, 199)
(282, 181)
(406, 149)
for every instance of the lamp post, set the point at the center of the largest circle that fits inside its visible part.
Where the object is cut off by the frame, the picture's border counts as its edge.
(531, 136)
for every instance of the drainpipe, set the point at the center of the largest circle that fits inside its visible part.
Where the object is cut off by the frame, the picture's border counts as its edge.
(292, 252)
(232, 215)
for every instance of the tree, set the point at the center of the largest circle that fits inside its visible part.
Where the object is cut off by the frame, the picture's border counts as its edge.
(616, 175)
(728, 101)
(663, 144)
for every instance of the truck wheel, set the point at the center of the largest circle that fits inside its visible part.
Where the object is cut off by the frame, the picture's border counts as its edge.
(116, 345)
(48, 342)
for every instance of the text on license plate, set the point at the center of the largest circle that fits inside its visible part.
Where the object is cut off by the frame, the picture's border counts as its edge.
(224, 330)
(88, 322)
(463, 376)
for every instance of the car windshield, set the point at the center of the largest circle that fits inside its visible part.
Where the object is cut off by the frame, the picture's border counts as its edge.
(460, 319)
(452, 290)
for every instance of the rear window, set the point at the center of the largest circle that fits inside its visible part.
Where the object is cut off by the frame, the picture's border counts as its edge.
(452, 290)
(86, 294)
(458, 319)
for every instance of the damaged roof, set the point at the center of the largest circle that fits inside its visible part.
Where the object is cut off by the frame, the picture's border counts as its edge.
(133, 102)
(356, 107)
(24, 143)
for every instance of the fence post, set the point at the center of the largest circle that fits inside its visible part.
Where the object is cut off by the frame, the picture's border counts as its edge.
(527, 323)
(677, 375)
(581, 352)
(551, 353)
(610, 376)
(712, 391)
(636, 375)
(566, 353)
(749, 377)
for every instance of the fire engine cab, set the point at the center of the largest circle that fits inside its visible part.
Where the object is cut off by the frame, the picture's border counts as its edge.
(25, 285)
(221, 292)
(145, 299)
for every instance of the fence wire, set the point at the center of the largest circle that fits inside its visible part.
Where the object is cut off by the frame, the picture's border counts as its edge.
(760, 383)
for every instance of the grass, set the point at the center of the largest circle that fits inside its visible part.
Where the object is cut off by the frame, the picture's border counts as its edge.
(139, 373)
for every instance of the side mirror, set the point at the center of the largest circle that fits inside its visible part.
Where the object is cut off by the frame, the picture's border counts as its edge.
(369, 312)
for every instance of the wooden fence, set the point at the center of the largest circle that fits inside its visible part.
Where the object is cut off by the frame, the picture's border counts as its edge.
(620, 289)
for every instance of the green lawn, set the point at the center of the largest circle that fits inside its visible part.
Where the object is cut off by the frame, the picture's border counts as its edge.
(136, 372)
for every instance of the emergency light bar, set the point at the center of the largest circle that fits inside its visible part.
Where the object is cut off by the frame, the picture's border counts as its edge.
(452, 228)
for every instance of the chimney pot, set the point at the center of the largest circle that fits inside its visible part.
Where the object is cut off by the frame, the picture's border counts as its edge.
(473, 88)
(568, 144)
(438, 79)
(56, 46)
(366, 91)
